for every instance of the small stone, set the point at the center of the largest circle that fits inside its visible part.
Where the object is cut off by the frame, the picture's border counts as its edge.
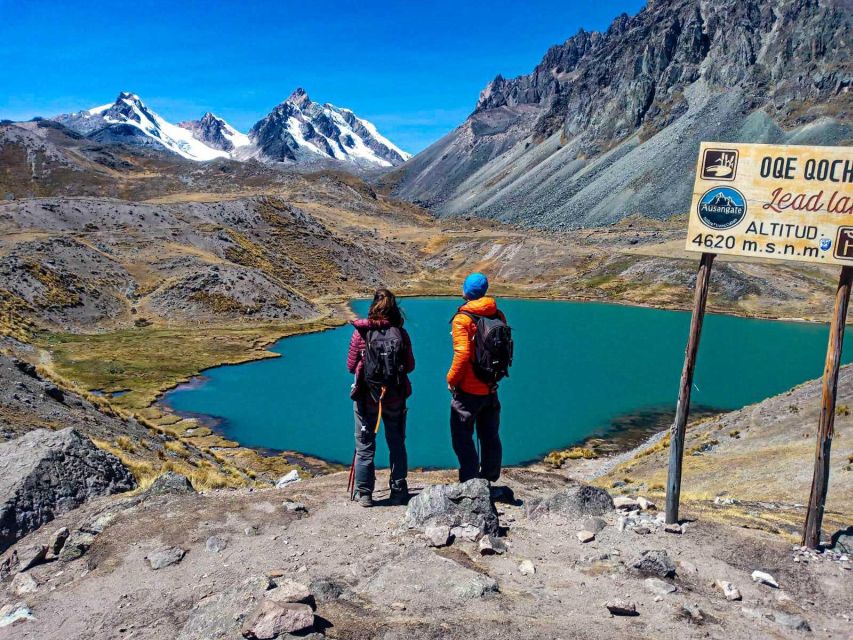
(77, 544)
(297, 507)
(22, 584)
(170, 482)
(646, 504)
(216, 544)
(289, 478)
(673, 528)
(28, 557)
(585, 536)
(490, 545)
(326, 590)
(437, 535)
(625, 503)
(466, 532)
(527, 568)
(795, 622)
(271, 619)
(654, 562)
(659, 587)
(165, 557)
(251, 531)
(729, 590)
(287, 590)
(595, 525)
(12, 613)
(764, 578)
(398, 606)
(621, 608)
(57, 541)
(643, 531)
(692, 613)
(621, 523)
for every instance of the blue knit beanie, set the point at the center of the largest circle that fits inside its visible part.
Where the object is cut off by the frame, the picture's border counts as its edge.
(475, 286)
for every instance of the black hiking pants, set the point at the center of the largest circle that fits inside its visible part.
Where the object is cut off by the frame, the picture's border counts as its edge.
(483, 413)
(366, 410)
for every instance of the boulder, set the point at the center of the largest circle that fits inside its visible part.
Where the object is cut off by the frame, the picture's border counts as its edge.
(12, 613)
(271, 619)
(621, 608)
(286, 590)
(659, 587)
(288, 478)
(764, 578)
(729, 590)
(57, 541)
(216, 544)
(44, 473)
(575, 501)
(626, 503)
(165, 557)
(454, 505)
(438, 535)
(170, 482)
(585, 536)
(654, 562)
(77, 544)
(23, 584)
(326, 590)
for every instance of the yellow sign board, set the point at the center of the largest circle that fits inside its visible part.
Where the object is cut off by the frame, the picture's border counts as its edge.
(773, 201)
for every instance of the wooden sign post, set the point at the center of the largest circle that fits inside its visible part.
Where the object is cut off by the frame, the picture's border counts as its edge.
(780, 202)
(826, 423)
(682, 409)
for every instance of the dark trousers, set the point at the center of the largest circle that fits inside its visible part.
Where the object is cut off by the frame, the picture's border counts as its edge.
(366, 409)
(483, 413)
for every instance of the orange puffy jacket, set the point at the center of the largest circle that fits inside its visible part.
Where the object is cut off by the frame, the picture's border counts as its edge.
(461, 374)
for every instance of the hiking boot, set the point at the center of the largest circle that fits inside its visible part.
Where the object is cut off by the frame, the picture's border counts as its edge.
(365, 499)
(399, 498)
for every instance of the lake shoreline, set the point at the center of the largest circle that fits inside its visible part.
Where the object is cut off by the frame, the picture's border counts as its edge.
(625, 435)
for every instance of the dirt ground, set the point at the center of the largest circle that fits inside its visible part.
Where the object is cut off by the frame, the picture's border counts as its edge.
(373, 579)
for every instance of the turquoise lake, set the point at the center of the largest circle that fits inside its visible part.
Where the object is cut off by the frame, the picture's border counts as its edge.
(579, 368)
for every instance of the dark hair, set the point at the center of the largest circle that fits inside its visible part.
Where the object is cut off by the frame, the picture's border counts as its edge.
(384, 307)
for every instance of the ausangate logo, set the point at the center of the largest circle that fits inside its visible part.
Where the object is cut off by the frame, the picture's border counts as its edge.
(722, 207)
(825, 243)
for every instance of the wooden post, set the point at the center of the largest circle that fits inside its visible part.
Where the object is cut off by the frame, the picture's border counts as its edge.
(820, 479)
(682, 409)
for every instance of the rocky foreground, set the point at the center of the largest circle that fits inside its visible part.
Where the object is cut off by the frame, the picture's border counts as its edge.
(540, 556)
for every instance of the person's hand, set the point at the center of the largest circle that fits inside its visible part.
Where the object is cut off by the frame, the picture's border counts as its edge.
(451, 389)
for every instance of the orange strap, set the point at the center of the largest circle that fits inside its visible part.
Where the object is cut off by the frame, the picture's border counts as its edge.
(379, 415)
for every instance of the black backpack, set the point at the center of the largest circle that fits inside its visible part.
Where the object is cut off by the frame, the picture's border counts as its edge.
(384, 359)
(492, 348)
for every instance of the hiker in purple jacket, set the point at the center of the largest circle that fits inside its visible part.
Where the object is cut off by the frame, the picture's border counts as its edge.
(380, 356)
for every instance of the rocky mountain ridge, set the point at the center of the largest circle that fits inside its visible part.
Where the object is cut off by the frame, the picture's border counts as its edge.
(297, 132)
(606, 119)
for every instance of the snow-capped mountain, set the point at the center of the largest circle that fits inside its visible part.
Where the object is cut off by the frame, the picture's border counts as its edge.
(216, 133)
(129, 120)
(298, 131)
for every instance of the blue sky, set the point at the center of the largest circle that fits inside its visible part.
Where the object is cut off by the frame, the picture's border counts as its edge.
(413, 68)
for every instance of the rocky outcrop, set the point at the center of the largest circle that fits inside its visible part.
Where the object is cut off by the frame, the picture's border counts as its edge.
(575, 501)
(606, 118)
(462, 507)
(44, 473)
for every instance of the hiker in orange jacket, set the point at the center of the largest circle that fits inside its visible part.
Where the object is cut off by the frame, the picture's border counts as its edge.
(475, 403)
